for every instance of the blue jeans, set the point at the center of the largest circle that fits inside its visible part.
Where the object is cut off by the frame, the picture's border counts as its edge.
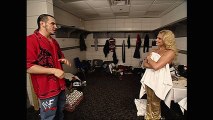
(52, 108)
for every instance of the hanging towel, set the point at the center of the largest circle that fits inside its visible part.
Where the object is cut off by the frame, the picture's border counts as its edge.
(160, 81)
(96, 44)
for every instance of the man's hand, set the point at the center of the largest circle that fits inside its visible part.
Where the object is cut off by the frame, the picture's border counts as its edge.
(58, 73)
(65, 61)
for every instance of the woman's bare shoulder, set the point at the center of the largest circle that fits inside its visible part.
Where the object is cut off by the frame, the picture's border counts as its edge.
(169, 53)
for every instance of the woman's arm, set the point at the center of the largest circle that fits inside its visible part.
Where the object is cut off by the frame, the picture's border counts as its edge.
(168, 57)
(146, 64)
(145, 61)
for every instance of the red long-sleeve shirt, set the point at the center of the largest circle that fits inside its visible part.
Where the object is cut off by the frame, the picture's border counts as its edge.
(40, 51)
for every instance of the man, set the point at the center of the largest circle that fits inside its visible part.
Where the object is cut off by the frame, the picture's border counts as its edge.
(44, 63)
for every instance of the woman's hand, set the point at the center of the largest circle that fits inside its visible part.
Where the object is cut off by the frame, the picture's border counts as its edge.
(148, 57)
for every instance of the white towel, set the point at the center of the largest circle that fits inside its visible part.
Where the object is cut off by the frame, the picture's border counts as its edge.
(160, 81)
(141, 106)
(183, 104)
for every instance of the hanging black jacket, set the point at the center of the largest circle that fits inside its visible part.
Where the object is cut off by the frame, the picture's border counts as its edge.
(83, 46)
(146, 43)
(123, 51)
(154, 43)
(114, 56)
(128, 41)
(106, 48)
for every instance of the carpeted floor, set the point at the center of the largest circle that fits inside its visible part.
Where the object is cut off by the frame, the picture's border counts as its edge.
(106, 97)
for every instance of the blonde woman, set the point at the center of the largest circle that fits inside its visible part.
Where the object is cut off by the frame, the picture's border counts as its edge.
(156, 81)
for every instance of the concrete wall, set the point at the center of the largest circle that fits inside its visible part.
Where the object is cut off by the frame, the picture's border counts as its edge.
(131, 24)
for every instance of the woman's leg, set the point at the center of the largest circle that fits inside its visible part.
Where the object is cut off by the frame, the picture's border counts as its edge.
(148, 105)
(153, 110)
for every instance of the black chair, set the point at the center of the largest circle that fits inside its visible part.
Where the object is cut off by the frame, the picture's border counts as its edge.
(97, 64)
(80, 67)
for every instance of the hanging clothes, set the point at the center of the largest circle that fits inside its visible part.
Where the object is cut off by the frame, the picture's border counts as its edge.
(146, 43)
(112, 44)
(83, 46)
(106, 48)
(96, 44)
(128, 41)
(154, 43)
(123, 51)
(137, 48)
(114, 56)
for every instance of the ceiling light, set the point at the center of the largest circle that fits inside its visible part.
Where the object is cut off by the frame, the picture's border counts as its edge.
(119, 2)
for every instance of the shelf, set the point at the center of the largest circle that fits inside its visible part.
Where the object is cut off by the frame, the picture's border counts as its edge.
(64, 31)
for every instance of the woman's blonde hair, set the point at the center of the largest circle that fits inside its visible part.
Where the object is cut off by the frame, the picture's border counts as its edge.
(169, 40)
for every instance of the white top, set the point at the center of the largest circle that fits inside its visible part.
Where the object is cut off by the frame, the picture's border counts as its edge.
(160, 81)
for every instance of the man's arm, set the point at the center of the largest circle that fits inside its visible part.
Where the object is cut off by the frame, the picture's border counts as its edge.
(62, 58)
(37, 69)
